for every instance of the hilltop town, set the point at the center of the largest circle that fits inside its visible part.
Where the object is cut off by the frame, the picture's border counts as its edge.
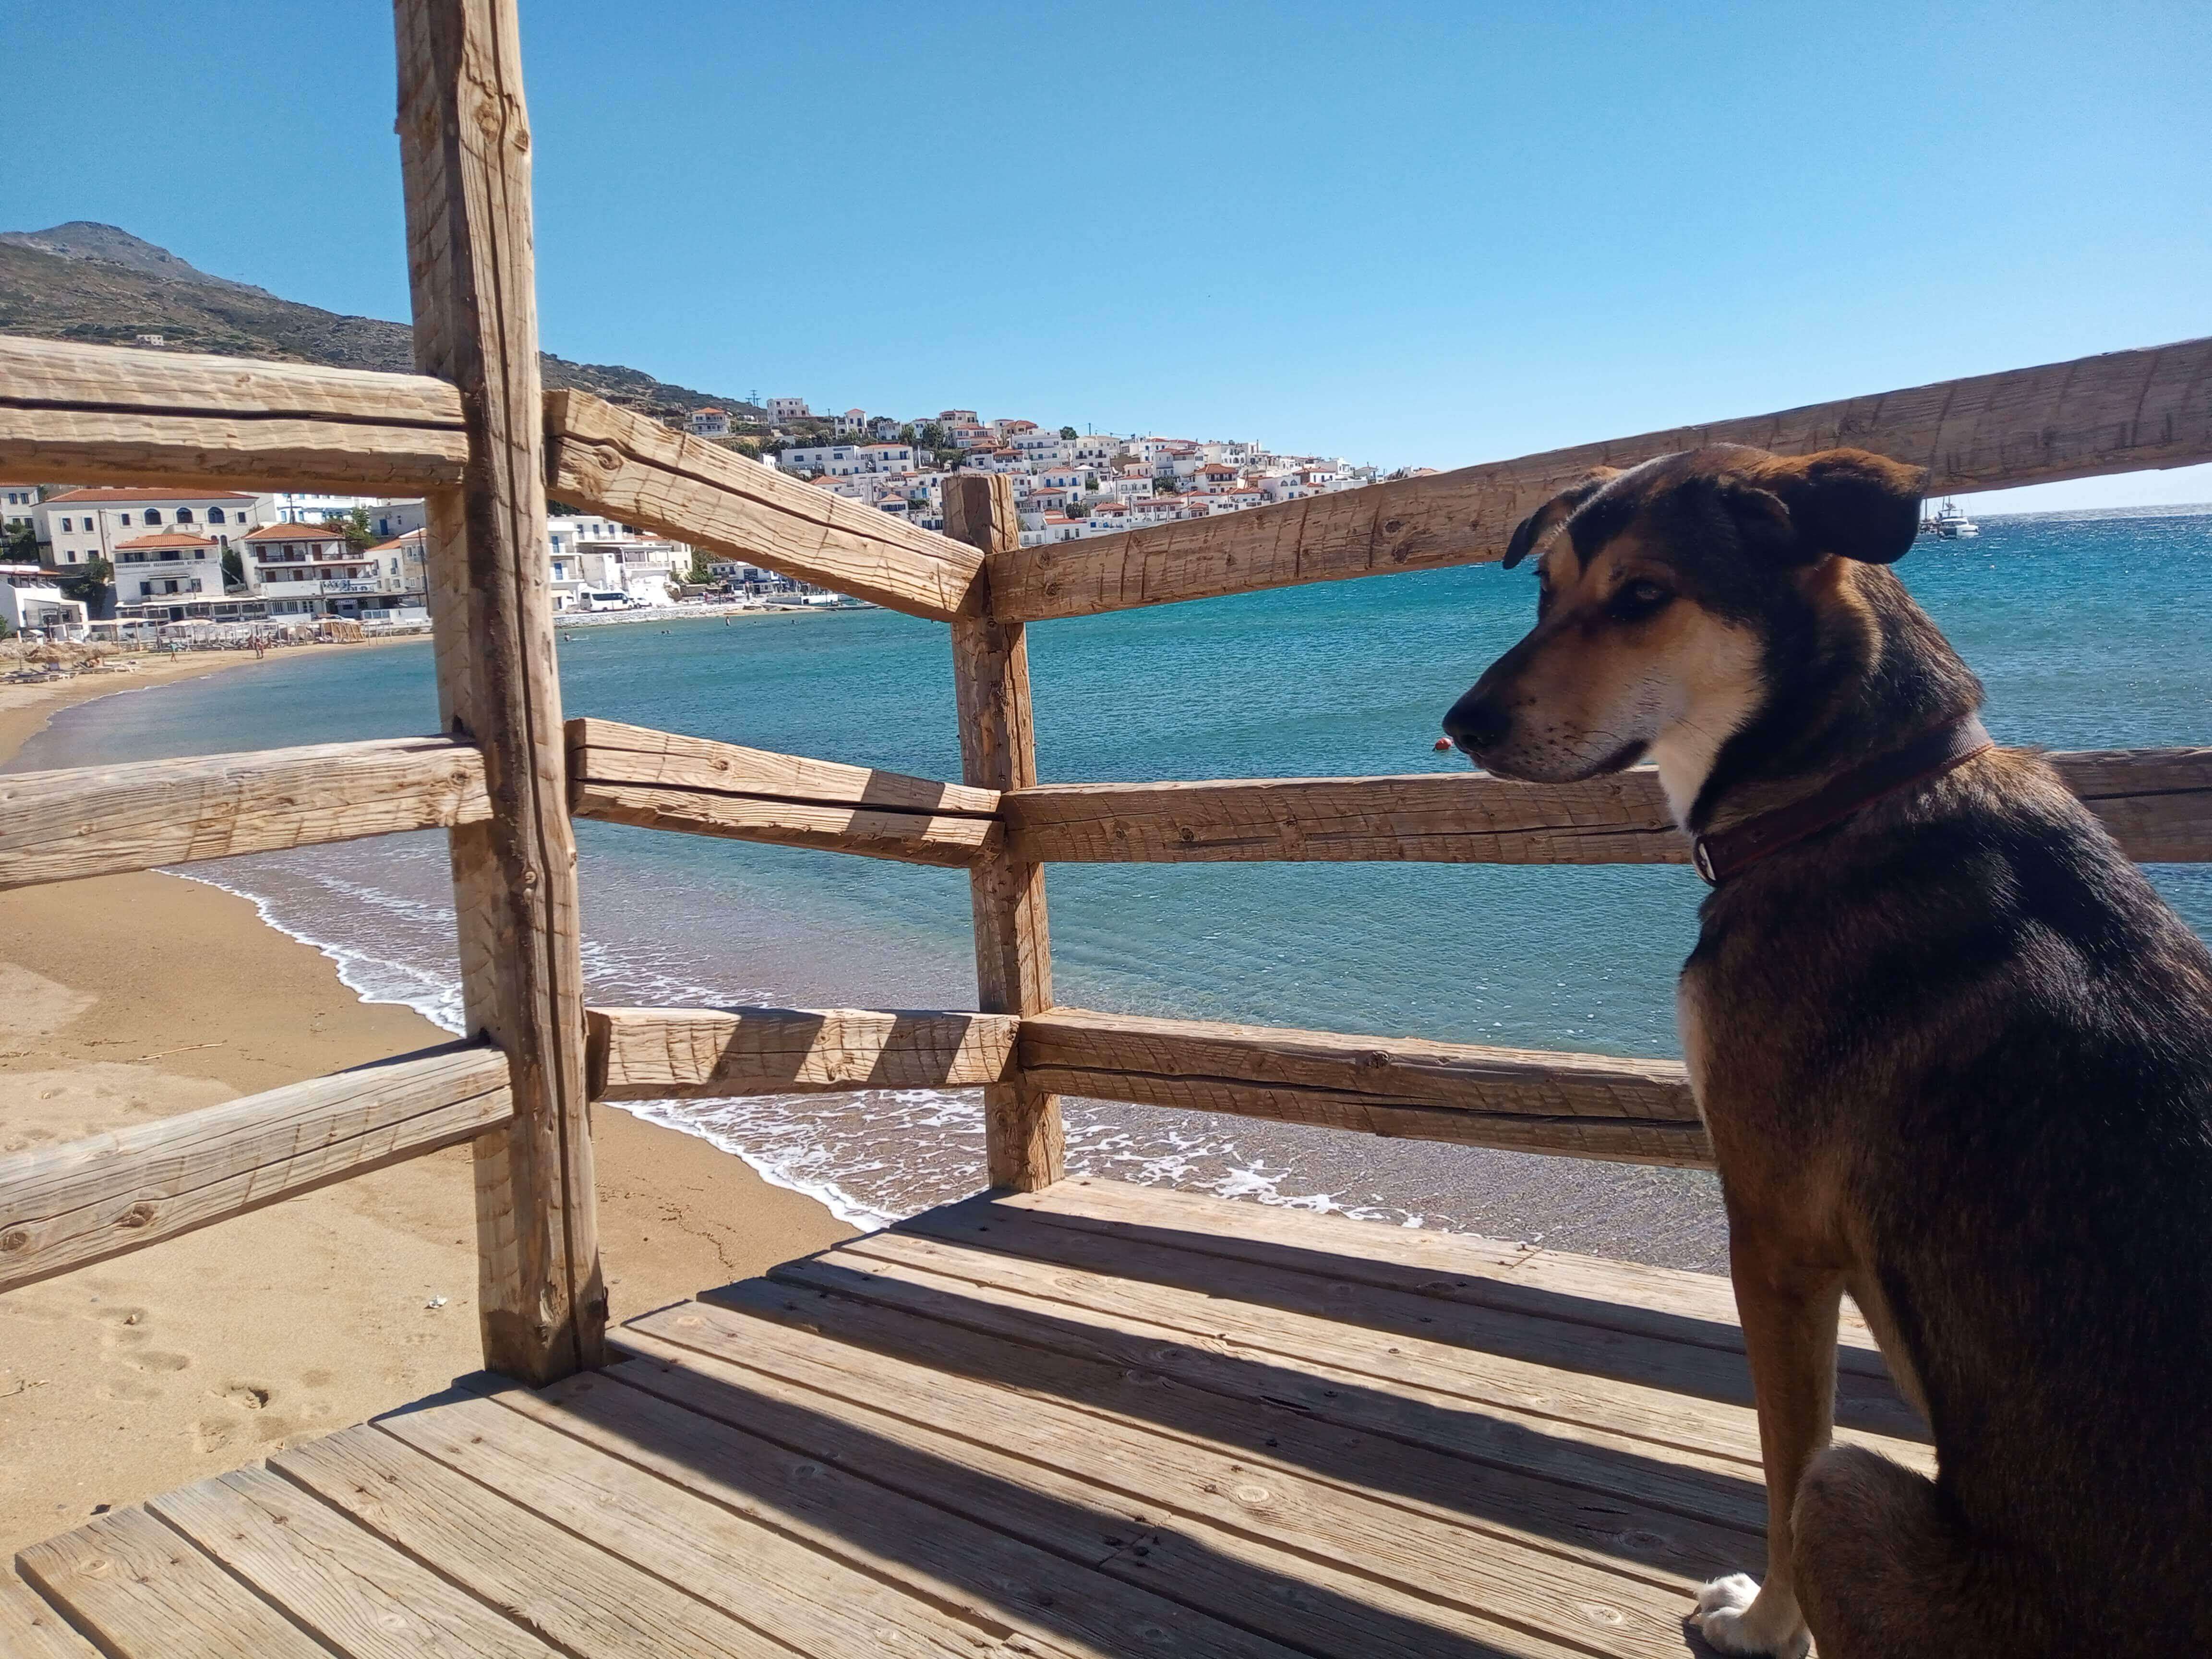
(1068, 484)
(224, 566)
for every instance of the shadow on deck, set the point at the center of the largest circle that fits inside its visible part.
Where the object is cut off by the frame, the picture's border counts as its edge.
(1097, 1421)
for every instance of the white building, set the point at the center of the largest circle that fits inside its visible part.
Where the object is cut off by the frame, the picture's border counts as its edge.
(710, 423)
(301, 571)
(80, 525)
(787, 409)
(28, 598)
(402, 574)
(16, 501)
(848, 460)
(850, 424)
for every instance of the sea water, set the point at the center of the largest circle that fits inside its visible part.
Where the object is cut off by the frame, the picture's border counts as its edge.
(2089, 631)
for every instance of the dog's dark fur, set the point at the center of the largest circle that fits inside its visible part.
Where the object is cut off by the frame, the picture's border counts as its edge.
(1955, 1056)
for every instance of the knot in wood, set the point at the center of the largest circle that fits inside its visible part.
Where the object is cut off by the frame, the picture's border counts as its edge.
(15, 1240)
(607, 459)
(138, 1215)
(1392, 526)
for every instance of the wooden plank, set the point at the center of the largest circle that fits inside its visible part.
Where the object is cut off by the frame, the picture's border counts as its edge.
(1037, 1596)
(465, 158)
(1290, 1558)
(612, 461)
(1447, 818)
(63, 1206)
(1623, 1534)
(1078, 1454)
(2121, 412)
(1616, 1467)
(2157, 803)
(334, 1580)
(1667, 1303)
(656, 1054)
(907, 837)
(141, 1591)
(97, 820)
(811, 1600)
(1025, 1147)
(29, 1629)
(566, 1592)
(115, 415)
(1583, 1105)
(608, 751)
(1391, 1333)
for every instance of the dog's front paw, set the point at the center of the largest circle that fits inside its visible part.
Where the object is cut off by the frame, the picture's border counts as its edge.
(1735, 1619)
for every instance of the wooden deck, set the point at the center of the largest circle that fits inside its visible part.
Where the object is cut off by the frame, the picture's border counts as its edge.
(1096, 1420)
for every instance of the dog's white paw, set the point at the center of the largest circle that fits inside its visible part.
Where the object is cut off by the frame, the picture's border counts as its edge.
(1730, 1617)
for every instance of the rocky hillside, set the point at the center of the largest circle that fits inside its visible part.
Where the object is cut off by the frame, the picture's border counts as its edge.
(96, 283)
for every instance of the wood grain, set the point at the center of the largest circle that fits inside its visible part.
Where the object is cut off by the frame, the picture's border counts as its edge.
(2156, 803)
(29, 1629)
(97, 820)
(904, 837)
(144, 1592)
(655, 1053)
(1583, 1105)
(63, 1206)
(2124, 411)
(608, 751)
(465, 160)
(1026, 1145)
(1215, 1528)
(609, 461)
(116, 414)
(334, 1579)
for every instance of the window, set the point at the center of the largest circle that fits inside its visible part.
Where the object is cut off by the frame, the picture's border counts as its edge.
(184, 515)
(199, 552)
(65, 524)
(153, 515)
(215, 515)
(126, 518)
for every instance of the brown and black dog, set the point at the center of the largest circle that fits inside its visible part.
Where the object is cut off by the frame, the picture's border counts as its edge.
(1955, 1053)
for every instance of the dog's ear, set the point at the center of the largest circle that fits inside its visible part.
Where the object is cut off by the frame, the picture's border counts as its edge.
(1844, 501)
(1537, 528)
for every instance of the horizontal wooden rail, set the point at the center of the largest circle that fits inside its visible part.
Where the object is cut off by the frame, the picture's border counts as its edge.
(1635, 1111)
(63, 1206)
(2125, 411)
(99, 820)
(657, 779)
(612, 461)
(2157, 803)
(115, 415)
(653, 1053)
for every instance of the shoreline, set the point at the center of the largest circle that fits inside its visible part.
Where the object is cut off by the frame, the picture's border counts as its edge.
(138, 996)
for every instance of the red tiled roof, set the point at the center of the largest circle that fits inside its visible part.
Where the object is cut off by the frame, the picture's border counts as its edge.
(138, 495)
(293, 531)
(172, 539)
(396, 541)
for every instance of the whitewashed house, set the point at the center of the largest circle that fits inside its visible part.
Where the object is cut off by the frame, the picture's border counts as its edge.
(28, 598)
(787, 409)
(709, 423)
(301, 571)
(16, 501)
(80, 525)
(851, 424)
(402, 573)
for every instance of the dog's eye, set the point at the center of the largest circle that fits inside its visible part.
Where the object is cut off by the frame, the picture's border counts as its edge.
(1638, 599)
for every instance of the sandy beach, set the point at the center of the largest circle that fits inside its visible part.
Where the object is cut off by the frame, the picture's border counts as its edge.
(137, 997)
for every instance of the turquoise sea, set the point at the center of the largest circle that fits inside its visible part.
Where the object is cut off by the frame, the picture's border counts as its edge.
(2090, 631)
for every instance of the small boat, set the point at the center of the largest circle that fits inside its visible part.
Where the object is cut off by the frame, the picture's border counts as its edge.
(1949, 523)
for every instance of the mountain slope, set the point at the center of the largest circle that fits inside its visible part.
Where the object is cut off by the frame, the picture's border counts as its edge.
(104, 285)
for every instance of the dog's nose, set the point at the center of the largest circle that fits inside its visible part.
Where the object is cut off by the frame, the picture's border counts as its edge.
(1477, 722)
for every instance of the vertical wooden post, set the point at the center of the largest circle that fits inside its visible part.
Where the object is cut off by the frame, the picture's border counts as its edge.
(465, 151)
(1025, 1147)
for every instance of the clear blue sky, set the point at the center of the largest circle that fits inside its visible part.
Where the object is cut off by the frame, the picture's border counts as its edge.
(1427, 234)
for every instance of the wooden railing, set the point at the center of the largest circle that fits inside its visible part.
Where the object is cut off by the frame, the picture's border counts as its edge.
(475, 434)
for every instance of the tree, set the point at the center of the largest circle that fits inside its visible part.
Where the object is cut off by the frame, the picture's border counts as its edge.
(21, 544)
(908, 435)
(1091, 483)
(701, 576)
(1069, 432)
(932, 435)
(354, 527)
(89, 582)
(234, 571)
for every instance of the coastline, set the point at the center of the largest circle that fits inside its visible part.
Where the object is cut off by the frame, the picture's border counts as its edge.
(138, 996)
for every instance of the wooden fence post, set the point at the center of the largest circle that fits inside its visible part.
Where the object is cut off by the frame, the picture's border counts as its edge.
(1024, 1144)
(465, 151)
